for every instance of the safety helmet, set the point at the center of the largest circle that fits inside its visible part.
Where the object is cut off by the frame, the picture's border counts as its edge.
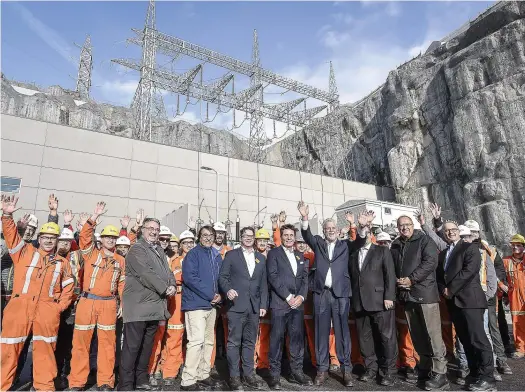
(219, 226)
(185, 235)
(299, 237)
(262, 234)
(464, 230)
(165, 231)
(517, 238)
(50, 228)
(33, 221)
(174, 238)
(66, 235)
(109, 231)
(472, 225)
(383, 236)
(123, 241)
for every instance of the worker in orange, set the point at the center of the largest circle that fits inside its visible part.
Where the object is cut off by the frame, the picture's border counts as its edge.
(156, 361)
(102, 283)
(221, 245)
(175, 244)
(515, 268)
(42, 290)
(172, 355)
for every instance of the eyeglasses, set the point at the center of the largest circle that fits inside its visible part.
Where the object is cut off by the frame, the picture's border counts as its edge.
(208, 236)
(164, 239)
(152, 229)
(187, 243)
(451, 230)
(247, 236)
(405, 225)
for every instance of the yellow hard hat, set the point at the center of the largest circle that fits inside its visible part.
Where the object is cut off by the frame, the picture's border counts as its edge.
(50, 228)
(174, 238)
(262, 234)
(110, 231)
(517, 238)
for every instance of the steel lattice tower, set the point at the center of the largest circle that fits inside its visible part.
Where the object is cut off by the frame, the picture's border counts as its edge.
(143, 99)
(85, 67)
(332, 89)
(257, 133)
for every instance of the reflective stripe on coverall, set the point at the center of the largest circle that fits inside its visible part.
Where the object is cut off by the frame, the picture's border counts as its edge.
(103, 277)
(42, 289)
(516, 279)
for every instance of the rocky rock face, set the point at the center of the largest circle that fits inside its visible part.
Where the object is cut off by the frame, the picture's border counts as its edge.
(56, 105)
(446, 127)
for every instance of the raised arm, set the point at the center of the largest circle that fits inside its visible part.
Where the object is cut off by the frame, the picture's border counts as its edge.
(15, 244)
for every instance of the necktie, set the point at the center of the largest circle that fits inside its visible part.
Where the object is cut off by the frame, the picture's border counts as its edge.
(450, 248)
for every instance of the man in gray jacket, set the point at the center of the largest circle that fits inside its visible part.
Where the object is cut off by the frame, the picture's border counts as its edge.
(149, 282)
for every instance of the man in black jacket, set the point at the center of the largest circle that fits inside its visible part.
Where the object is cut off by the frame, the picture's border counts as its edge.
(373, 280)
(459, 282)
(331, 290)
(288, 280)
(242, 279)
(415, 259)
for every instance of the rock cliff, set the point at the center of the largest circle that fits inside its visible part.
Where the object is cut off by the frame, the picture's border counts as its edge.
(446, 127)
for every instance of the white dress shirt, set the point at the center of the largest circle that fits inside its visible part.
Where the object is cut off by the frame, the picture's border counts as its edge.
(291, 258)
(331, 247)
(362, 254)
(249, 256)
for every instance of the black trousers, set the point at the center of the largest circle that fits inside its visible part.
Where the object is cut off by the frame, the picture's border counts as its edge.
(471, 332)
(330, 309)
(64, 344)
(377, 340)
(242, 336)
(503, 326)
(291, 320)
(136, 351)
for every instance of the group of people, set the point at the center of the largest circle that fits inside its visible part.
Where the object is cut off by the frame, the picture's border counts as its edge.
(156, 302)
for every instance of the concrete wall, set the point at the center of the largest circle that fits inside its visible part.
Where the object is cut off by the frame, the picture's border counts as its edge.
(82, 167)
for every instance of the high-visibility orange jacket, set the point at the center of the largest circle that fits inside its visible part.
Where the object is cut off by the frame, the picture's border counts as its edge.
(102, 275)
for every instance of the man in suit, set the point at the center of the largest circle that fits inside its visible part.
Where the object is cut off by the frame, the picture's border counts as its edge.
(332, 291)
(288, 280)
(459, 281)
(373, 280)
(243, 279)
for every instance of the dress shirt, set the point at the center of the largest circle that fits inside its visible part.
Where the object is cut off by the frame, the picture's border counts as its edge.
(249, 256)
(293, 263)
(362, 254)
(449, 252)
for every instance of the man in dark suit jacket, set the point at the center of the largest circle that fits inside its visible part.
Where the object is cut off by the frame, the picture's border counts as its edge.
(373, 278)
(288, 280)
(459, 281)
(243, 280)
(332, 291)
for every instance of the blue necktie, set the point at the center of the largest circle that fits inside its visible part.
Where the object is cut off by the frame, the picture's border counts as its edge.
(450, 248)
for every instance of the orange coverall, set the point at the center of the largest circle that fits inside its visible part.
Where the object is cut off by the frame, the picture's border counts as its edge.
(172, 355)
(516, 279)
(102, 279)
(42, 289)
(222, 315)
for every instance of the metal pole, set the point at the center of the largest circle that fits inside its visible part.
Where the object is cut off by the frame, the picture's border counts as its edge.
(217, 197)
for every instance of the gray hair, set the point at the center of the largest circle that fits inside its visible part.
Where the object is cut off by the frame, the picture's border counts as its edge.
(329, 220)
(404, 216)
(150, 220)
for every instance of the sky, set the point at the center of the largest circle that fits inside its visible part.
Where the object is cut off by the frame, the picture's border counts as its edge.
(364, 40)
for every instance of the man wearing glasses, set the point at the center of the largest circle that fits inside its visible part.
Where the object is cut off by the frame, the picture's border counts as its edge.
(200, 297)
(149, 282)
(416, 257)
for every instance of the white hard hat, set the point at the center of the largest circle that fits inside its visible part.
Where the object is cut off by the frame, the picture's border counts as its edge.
(472, 225)
(185, 235)
(219, 226)
(66, 234)
(33, 221)
(165, 231)
(123, 241)
(463, 230)
(383, 236)
(97, 236)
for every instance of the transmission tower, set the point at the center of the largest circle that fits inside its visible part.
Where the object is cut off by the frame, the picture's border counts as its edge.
(257, 133)
(332, 89)
(85, 67)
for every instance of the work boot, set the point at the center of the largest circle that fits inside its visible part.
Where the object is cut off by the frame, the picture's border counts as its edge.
(482, 385)
(252, 382)
(144, 387)
(423, 375)
(333, 368)
(104, 387)
(367, 376)
(320, 378)
(437, 382)
(275, 383)
(74, 389)
(169, 382)
(347, 379)
(235, 384)
(214, 372)
(192, 387)
(503, 367)
(300, 378)
(209, 383)
(517, 355)
(388, 380)
(497, 376)
(410, 375)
